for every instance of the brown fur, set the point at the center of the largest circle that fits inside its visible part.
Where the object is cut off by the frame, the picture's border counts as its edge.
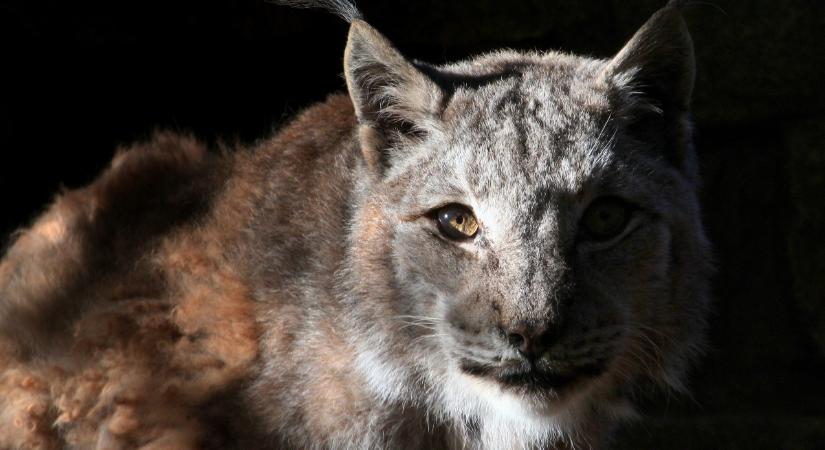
(301, 294)
(122, 316)
(127, 315)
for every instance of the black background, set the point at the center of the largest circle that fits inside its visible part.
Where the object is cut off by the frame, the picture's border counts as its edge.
(82, 78)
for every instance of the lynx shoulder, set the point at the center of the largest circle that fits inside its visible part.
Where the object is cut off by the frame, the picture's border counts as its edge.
(492, 253)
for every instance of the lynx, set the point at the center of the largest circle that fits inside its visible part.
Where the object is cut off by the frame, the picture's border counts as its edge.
(495, 253)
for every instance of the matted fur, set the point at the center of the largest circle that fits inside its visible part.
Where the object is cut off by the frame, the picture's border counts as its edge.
(299, 295)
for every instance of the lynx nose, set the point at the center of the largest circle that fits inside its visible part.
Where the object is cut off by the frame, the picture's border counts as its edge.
(529, 340)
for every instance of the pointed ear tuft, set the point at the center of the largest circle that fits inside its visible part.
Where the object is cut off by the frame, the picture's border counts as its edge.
(658, 61)
(394, 101)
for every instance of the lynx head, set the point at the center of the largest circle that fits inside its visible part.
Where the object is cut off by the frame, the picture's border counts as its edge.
(528, 240)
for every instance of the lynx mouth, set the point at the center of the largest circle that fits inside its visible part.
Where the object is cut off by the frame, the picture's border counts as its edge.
(527, 377)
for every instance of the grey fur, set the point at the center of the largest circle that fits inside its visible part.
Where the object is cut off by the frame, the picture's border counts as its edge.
(527, 141)
(345, 318)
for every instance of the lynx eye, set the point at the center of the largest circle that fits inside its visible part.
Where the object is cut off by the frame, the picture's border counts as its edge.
(606, 218)
(456, 222)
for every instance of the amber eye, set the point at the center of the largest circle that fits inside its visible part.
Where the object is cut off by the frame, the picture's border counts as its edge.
(605, 218)
(456, 222)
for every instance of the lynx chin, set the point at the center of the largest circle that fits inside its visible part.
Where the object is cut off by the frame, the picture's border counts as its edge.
(489, 254)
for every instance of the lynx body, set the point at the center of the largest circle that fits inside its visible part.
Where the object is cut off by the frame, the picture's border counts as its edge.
(487, 254)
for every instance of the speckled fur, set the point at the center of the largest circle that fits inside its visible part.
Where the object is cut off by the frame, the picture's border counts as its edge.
(298, 295)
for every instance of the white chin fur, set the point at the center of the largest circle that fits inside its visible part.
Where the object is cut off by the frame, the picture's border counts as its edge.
(505, 420)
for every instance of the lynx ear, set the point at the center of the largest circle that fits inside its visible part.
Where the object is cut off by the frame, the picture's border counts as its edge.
(658, 62)
(395, 102)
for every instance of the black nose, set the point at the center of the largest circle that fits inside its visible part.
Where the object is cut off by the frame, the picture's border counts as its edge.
(529, 340)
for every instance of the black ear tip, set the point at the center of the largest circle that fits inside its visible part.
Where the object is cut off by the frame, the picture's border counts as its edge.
(672, 11)
(669, 20)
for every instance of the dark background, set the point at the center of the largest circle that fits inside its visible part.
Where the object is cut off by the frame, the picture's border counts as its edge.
(82, 78)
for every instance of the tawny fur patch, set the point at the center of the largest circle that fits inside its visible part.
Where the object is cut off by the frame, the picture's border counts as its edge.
(158, 340)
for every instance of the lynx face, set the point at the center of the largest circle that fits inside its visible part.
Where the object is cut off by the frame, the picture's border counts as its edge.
(536, 299)
(530, 230)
